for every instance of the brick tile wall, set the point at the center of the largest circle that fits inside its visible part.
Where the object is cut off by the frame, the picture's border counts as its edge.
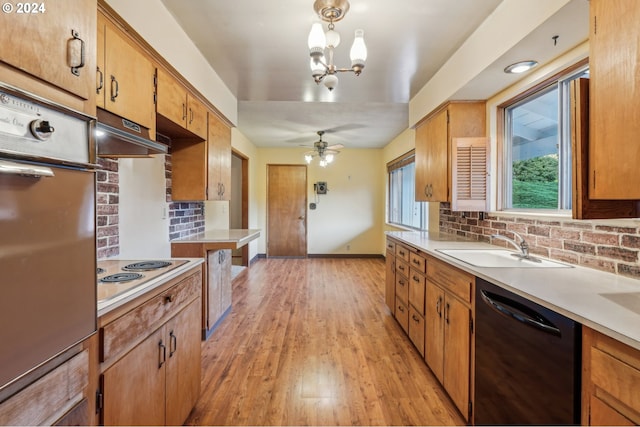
(593, 244)
(107, 203)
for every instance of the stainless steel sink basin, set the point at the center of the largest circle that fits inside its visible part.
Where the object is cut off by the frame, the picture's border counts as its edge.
(499, 258)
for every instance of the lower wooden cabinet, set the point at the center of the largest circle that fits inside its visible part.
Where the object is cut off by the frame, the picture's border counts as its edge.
(219, 292)
(390, 276)
(610, 381)
(151, 363)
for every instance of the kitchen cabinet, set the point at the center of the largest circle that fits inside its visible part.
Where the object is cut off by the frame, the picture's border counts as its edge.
(407, 296)
(202, 170)
(50, 51)
(177, 106)
(614, 42)
(150, 356)
(219, 158)
(390, 275)
(610, 380)
(434, 136)
(219, 293)
(448, 333)
(124, 76)
(50, 397)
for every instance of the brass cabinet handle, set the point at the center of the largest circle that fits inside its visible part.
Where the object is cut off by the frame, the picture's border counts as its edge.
(173, 343)
(100, 84)
(438, 304)
(162, 354)
(115, 88)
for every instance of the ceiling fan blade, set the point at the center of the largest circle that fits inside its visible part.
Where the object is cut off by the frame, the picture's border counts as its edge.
(335, 147)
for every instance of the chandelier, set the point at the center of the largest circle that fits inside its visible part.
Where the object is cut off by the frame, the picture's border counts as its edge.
(322, 151)
(322, 70)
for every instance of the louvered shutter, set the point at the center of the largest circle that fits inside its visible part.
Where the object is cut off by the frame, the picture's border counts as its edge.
(470, 174)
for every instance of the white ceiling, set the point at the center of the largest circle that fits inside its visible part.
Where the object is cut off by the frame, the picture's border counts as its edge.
(259, 49)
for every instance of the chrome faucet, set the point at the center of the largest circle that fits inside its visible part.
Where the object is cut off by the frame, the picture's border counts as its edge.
(523, 246)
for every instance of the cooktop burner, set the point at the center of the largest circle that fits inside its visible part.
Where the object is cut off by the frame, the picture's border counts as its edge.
(146, 265)
(121, 277)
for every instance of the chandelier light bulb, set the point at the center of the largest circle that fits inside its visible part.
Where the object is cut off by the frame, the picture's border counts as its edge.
(358, 53)
(317, 40)
(323, 163)
(329, 158)
(308, 158)
(317, 69)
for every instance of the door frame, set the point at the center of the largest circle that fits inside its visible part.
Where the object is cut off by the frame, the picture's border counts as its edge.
(244, 202)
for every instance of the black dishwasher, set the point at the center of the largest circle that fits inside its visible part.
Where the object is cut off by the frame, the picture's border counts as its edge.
(527, 361)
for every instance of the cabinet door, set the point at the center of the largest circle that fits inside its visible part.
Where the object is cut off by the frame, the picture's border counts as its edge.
(457, 351)
(601, 414)
(196, 116)
(434, 321)
(100, 66)
(225, 281)
(417, 284)
(134, 387)
(41, 44)
(390, 281)
(172, 98)
(129, 79)
(183, 363)
(432, 159)
(416, 329)
(214, 288)
(219, 157)
(614, 44)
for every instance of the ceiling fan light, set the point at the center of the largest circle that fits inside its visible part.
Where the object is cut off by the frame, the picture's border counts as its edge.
(329, 158)
(308, 158)
(358, 53)
(317, 40)
(323, 163)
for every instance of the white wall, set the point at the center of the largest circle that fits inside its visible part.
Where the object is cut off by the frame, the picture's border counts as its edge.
(143, 211)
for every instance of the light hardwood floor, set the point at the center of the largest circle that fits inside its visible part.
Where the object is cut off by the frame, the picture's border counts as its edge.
(311, 342)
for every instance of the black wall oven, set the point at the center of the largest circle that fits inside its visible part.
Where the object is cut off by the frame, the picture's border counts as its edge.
(47, 235)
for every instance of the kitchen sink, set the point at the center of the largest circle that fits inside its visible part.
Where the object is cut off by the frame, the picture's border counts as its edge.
(499, 258)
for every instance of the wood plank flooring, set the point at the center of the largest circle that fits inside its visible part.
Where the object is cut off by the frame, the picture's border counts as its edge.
(311, 342)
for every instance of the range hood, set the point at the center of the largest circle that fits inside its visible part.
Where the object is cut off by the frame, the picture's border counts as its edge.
(118, 137)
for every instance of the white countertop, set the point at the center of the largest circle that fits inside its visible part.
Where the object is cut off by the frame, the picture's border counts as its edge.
(237, 237)
(608, 303)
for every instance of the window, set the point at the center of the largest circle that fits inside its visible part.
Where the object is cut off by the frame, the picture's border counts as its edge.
(402, 208)
(537, 147)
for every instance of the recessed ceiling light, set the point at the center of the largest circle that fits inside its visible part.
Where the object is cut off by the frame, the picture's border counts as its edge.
(520, 67)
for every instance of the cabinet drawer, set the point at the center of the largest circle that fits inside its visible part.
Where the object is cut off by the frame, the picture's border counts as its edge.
(126, 331)
(402, 267)
(417, 284)
(402, 315)
(402, 288)
(402, 252)
(416, 329)
(457, 282)
(616, 377)
(417, 262)
(391, 246)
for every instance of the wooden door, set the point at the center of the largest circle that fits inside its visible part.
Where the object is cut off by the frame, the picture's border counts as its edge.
(134, 387)
(183, 364)
(434, 322)
(129, 80)
(614, 43)
(457, 352)
(286, 210)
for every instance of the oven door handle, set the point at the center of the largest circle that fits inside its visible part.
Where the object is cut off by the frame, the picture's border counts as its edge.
(14, 168)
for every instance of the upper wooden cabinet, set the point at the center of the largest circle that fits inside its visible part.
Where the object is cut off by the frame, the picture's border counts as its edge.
(201, 170)
(614, 43)
(434, 137)
(57, 45)
(124, 76)
(179, 106)
(219, 155)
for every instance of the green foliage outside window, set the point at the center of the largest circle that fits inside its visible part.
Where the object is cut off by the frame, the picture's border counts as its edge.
(535, 183)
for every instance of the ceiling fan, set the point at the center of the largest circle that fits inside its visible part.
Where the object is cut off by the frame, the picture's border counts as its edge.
(322, 151)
